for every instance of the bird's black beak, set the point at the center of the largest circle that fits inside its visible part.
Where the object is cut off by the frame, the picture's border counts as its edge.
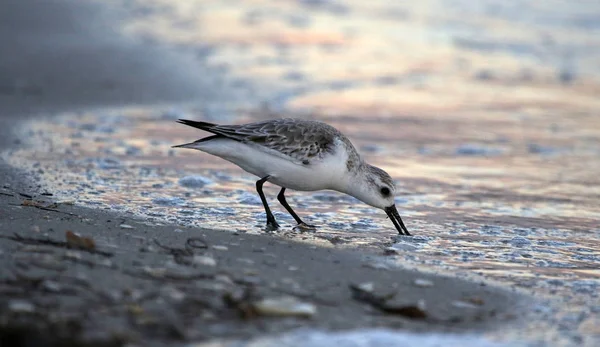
(392, 212)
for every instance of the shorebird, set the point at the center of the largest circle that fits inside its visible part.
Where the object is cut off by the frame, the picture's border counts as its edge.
(301, 155)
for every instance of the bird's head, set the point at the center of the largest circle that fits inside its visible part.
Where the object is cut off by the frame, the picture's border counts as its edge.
(375, 187)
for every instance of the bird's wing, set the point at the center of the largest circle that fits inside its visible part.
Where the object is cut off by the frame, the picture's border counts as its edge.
(300, 141)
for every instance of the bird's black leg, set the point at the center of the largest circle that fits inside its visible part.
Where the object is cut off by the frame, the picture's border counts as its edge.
(271, 222)
(281, 198)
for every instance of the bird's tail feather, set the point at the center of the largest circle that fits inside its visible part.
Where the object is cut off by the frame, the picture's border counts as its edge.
(194, 144)
(200, 125)
(197, 124)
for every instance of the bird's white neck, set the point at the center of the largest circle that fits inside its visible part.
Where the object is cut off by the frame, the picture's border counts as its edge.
(353, 183)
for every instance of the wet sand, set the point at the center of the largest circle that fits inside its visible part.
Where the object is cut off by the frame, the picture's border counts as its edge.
(133, 282)
(163, 284)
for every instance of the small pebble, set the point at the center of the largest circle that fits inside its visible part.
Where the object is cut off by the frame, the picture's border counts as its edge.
(421, 282)
(463, 304)
(284, 306)
(125, 226)
(73, 255)
(367, 287)
(204, 260)
(224, 279)
(21, 306)
(51, 286)
(155, 272)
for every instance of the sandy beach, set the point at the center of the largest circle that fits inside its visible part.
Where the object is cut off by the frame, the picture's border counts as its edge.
(86, 266)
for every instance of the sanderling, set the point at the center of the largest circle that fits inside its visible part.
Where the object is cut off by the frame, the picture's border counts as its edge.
(301, 155)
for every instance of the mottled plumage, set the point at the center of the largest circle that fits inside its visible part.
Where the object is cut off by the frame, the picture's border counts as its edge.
(302, 141)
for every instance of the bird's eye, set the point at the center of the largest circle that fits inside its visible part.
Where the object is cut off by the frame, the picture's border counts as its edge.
(385, 191)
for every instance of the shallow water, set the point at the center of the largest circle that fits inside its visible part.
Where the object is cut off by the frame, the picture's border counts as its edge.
(485, 114)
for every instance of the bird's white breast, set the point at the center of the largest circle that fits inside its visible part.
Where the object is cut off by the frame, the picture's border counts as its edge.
(320, 173)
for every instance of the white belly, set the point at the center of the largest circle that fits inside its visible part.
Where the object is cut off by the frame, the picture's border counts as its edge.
(285, 173)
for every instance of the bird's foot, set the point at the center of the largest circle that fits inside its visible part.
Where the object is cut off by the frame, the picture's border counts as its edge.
(305, 227)
(272, 224)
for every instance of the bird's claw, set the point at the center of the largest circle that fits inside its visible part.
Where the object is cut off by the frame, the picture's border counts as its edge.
(305, 227)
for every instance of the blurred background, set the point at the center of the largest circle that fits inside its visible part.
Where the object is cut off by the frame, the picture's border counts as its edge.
(485, 112)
